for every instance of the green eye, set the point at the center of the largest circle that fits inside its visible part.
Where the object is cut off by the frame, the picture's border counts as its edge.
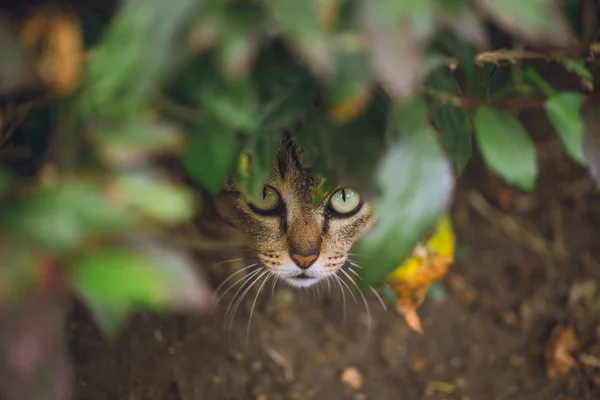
(345, 201)
(268, 200)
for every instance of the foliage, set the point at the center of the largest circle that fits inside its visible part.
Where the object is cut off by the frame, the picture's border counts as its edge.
(384, 96)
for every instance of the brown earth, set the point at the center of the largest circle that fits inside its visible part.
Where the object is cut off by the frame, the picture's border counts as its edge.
(526, 265)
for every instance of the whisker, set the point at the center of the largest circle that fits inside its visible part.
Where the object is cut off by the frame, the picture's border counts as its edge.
(232, 275)
(347, 287)
(367, 308)
(217, 264)
(246, 279)
(273, 284)
(383, 305)
(242, 296)
(379, 298)
(336, 279)
(269, 275)
(354, 264)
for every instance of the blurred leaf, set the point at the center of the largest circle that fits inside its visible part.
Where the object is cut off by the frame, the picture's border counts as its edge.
(464, 53)
(286, 90)
(6, 181)
(531, 75)
(396, 33)
(33, 354)
(535, 20)
(140, 46)
(350, 90)
(506, 147)
(411, 202)
(132, 140)
(452, 123)
(564, 112)
(591, 136)
(163, 201)
(209, 155)
(240, 39)
(114, 282)
(461, 18)
(262, 150)
(578, 67)
(65, 216)
(582, 18)
(300, 25)
(234, 104)
(346, 156)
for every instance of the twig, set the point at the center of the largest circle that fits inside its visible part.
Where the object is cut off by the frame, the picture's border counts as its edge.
(510, 225)
(278, 359)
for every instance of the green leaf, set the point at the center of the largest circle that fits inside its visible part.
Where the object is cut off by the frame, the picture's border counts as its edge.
(63, 217)
(353, 81)
(114, 282)
(286, 89)
(461, 18)
(140, 47)
(262, 151)
(465, 53)
(410, 204)
(506, 147)
(134, 139)
(452, 123)
(240, 39)
(344, 154)
(233, 103)
(163, 201)
(6, 181)
(564, 112)
(534, 20)
(578, 67)
(210, 154)
(299, 23)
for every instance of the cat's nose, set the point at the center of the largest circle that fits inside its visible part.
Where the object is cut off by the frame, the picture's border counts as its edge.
(304, 259)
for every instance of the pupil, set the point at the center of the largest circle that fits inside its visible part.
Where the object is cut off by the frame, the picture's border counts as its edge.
(264, 193)
(343, 195)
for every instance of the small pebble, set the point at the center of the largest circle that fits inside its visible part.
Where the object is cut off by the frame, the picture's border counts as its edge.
(352, 378)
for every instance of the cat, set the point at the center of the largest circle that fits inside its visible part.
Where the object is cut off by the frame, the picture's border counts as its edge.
(294, 240)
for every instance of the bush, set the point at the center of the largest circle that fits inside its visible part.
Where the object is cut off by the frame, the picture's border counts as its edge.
(382, 95)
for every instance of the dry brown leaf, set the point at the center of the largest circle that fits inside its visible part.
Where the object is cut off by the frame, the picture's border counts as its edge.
(558, 351)
(58, 34)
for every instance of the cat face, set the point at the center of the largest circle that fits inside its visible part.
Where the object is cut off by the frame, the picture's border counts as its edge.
(295, 240)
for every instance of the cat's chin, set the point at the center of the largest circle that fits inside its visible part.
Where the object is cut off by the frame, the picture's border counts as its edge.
(302, 282)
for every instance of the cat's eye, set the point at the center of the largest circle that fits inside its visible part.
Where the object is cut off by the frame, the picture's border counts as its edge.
(267, 200)
(345, 201)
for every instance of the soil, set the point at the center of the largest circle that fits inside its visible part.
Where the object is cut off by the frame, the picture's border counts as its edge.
(526, 264)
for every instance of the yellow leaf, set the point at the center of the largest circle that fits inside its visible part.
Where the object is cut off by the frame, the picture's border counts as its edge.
(430, 262)
(351, 107)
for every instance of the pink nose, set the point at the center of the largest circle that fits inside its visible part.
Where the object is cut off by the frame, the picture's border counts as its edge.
(304, 261)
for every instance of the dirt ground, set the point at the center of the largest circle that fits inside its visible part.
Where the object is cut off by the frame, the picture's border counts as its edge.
(525, 265)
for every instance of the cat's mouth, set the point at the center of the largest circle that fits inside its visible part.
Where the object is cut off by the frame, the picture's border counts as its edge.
(302, 280)
(302, 276)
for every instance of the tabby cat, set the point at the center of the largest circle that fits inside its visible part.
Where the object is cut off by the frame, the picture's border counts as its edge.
(295, 241)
